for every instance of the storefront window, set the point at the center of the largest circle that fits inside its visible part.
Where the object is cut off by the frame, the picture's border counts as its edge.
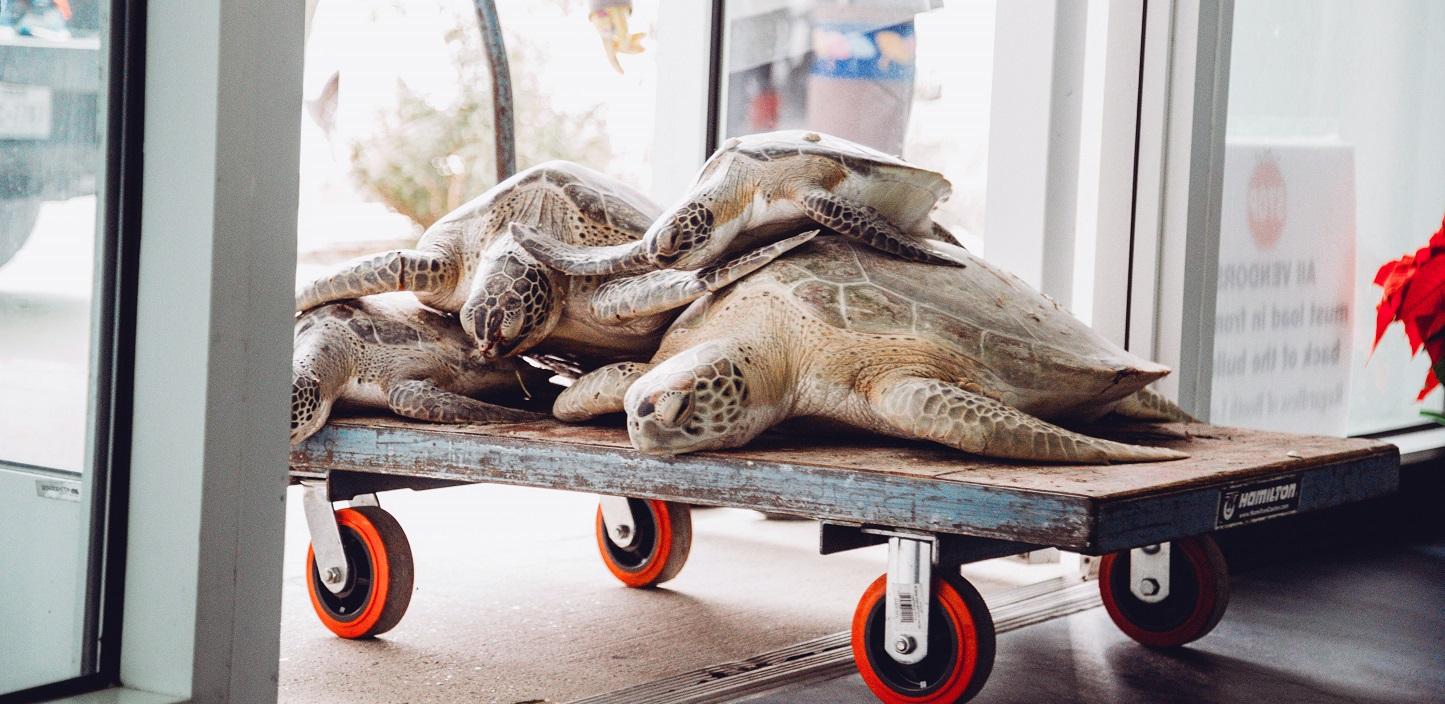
(54, 335)
(397, 127)
(907, 77)
(1335, 164)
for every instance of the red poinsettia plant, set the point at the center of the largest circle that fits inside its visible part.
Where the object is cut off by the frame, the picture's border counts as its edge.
(1415, 297)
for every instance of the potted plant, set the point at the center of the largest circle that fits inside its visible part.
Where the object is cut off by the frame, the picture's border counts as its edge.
(1414, 296)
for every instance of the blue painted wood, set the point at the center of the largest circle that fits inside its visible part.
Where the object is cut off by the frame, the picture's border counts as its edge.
(1121, 525)
(887, 483)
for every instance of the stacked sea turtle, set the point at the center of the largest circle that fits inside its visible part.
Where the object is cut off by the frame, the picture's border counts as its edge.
(885, 324)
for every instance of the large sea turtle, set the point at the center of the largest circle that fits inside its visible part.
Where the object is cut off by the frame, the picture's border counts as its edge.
(756, 187)
(392, 352)
(969, 357)
(469, 263)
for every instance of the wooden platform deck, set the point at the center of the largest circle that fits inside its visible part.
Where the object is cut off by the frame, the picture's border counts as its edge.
(1233, 476)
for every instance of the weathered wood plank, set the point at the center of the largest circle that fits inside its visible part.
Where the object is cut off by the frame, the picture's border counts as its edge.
(878, 480)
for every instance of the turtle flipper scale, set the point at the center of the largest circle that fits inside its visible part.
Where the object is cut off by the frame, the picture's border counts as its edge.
(1150, 405)
(424, 400)
(932, 409)
(581, 261)
(598, 392)
(660, 291)
(397, 270)
(865, 224)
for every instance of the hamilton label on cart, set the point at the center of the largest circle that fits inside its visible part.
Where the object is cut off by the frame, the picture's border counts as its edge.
(1256, 501)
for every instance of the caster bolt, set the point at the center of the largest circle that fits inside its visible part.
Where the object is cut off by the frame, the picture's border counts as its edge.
(1150, 549)
(622, 532)
(1149, 586)
(333, 575)
(904, 645)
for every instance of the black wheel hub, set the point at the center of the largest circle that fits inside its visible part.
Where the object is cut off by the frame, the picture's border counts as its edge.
(637, 555)
(929, 674)
(347, 604)
(1165, 615)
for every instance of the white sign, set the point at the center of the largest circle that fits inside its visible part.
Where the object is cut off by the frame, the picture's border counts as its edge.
(24, 112)
(1282, 325)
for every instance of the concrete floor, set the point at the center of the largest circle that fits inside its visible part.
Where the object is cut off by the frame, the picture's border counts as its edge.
(1366, 625)
(512, 603)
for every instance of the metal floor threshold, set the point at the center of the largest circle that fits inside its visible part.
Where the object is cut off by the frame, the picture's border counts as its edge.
(832, 656)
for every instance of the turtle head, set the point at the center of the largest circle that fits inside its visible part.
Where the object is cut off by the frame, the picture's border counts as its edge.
(309, 408)
(514, 303)
(701, 399)
(686, 239)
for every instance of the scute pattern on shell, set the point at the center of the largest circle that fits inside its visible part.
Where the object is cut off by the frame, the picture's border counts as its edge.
(576, 206)
(978, 311)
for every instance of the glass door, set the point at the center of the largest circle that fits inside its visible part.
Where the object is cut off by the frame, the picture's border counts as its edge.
(1334, 164)
(64, 370)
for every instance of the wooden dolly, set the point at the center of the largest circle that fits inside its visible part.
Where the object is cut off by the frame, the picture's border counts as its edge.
(921, 633)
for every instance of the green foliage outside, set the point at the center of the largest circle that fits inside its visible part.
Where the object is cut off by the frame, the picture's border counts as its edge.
(426, 160)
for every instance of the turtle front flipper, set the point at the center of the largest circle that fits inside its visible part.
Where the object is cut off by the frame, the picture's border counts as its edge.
(598, 392)
(932, 409)
(865, 224)
(424, 400)
(578, 260)
(397, 270)
(661, 291)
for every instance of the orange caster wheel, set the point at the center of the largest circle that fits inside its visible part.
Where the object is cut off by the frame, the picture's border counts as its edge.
(960, 646)
(1197, 593)
(652, 548)
(378, 584)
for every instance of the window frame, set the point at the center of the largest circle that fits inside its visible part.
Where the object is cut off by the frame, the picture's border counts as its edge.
(111, 360)
(203, 318)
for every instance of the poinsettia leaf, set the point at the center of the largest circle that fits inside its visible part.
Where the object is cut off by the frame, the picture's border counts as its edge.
(1384, 315)
(1437, 368)
(1431, 381)
(1432, 415)
(1385, 271)
(1438, 239)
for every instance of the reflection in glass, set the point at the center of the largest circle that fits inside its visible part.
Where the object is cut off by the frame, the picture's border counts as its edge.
(1334, 164)
(51, 153)
(908, 77)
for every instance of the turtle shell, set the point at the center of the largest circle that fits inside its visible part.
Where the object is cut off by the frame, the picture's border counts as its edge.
(904, 192)
(1018, 343)
(576, 204)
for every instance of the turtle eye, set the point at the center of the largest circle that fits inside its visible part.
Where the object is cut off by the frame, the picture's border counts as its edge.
(666, 242)
(511, 327)
(673, 408)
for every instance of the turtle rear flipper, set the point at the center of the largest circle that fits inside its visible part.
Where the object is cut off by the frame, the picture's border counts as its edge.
(865, 224)
(932, 409)
(1149, 405)
(661, 291)
(578, 260)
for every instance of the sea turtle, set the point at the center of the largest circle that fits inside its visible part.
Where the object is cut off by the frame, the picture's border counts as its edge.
(390, 351)
(758, 186)
(969, 357)
(524, 306)
(469, 262)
